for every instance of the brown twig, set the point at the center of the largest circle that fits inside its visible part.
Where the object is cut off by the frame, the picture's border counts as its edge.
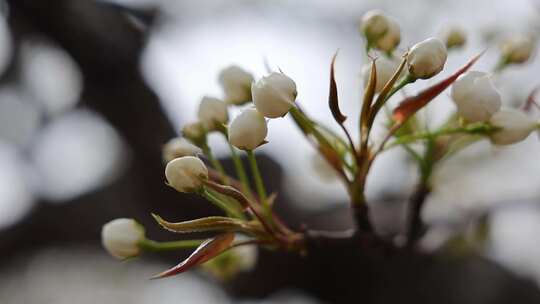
(415, 226)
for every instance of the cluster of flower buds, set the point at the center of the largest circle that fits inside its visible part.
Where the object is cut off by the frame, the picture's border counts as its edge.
(248, 216)
(478, 100)
(272, 96)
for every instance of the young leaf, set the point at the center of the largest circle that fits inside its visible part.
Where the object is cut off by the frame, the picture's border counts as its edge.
(333, 101)
(368, 99)
(211, 223)
(412, 104)
(206, 251)
(381, 99)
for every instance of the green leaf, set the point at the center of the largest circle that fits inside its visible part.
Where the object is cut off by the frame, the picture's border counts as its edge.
(211, 223)
(368, 99)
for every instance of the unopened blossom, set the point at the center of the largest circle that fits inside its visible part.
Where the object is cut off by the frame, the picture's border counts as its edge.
(514, 126)
(178, 147)
(380, 30)
(248, 130)
(274, 95)
(427, 58)
(121, 237)
(454, 37)
(475, 96)
(236, 83)
(386, 67)
(389, 41)
(186, 174)
(517, 48)
(194, 131)
(212, 112)
(232, 262)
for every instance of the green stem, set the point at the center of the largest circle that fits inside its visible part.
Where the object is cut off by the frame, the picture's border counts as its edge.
(229, 210)
(480, 128)
(404, 81)
(215, 162)
(240, 171)
(150, 245)
(501, 64)
(261, 191)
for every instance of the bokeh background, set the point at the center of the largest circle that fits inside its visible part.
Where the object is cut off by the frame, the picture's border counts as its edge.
(91, 90)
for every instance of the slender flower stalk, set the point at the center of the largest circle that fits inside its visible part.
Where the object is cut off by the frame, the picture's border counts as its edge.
(154, 246)
(240, 170)
(479, 128)
(215, 162)
(223, 205)
(259, 185)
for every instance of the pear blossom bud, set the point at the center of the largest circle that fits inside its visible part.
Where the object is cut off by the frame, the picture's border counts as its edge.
(186, 174)
(386, 68)
(427, 58)
(517, 49)
(475, 96)
(274, 95)
(178, 147)
(212, 113)
(232, 262)
(391, 39)
(514, 126)
(248, 130)
(381, 31)
(121, 237)
(236, 84)
(194, 131)
(454, 37)
(374, 24)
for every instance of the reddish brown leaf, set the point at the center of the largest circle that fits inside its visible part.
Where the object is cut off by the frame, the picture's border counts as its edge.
(531, 100)
(368, 98)
(412, 104)
(333, 101)
(206, 251)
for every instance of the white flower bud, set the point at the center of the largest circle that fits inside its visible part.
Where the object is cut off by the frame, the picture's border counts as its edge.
(374, 24)
(236, 84)
(212, 112)
(178, 147)
(186, 174)
(386, 68)
(391, 38)
(427, 58)
(514, 126)
(248, 130)
(517, 48)
(454, 37)
(194, 131)
(475, 96)
(232, 262)
(380, 30)
(121, 237)
(274, 95)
